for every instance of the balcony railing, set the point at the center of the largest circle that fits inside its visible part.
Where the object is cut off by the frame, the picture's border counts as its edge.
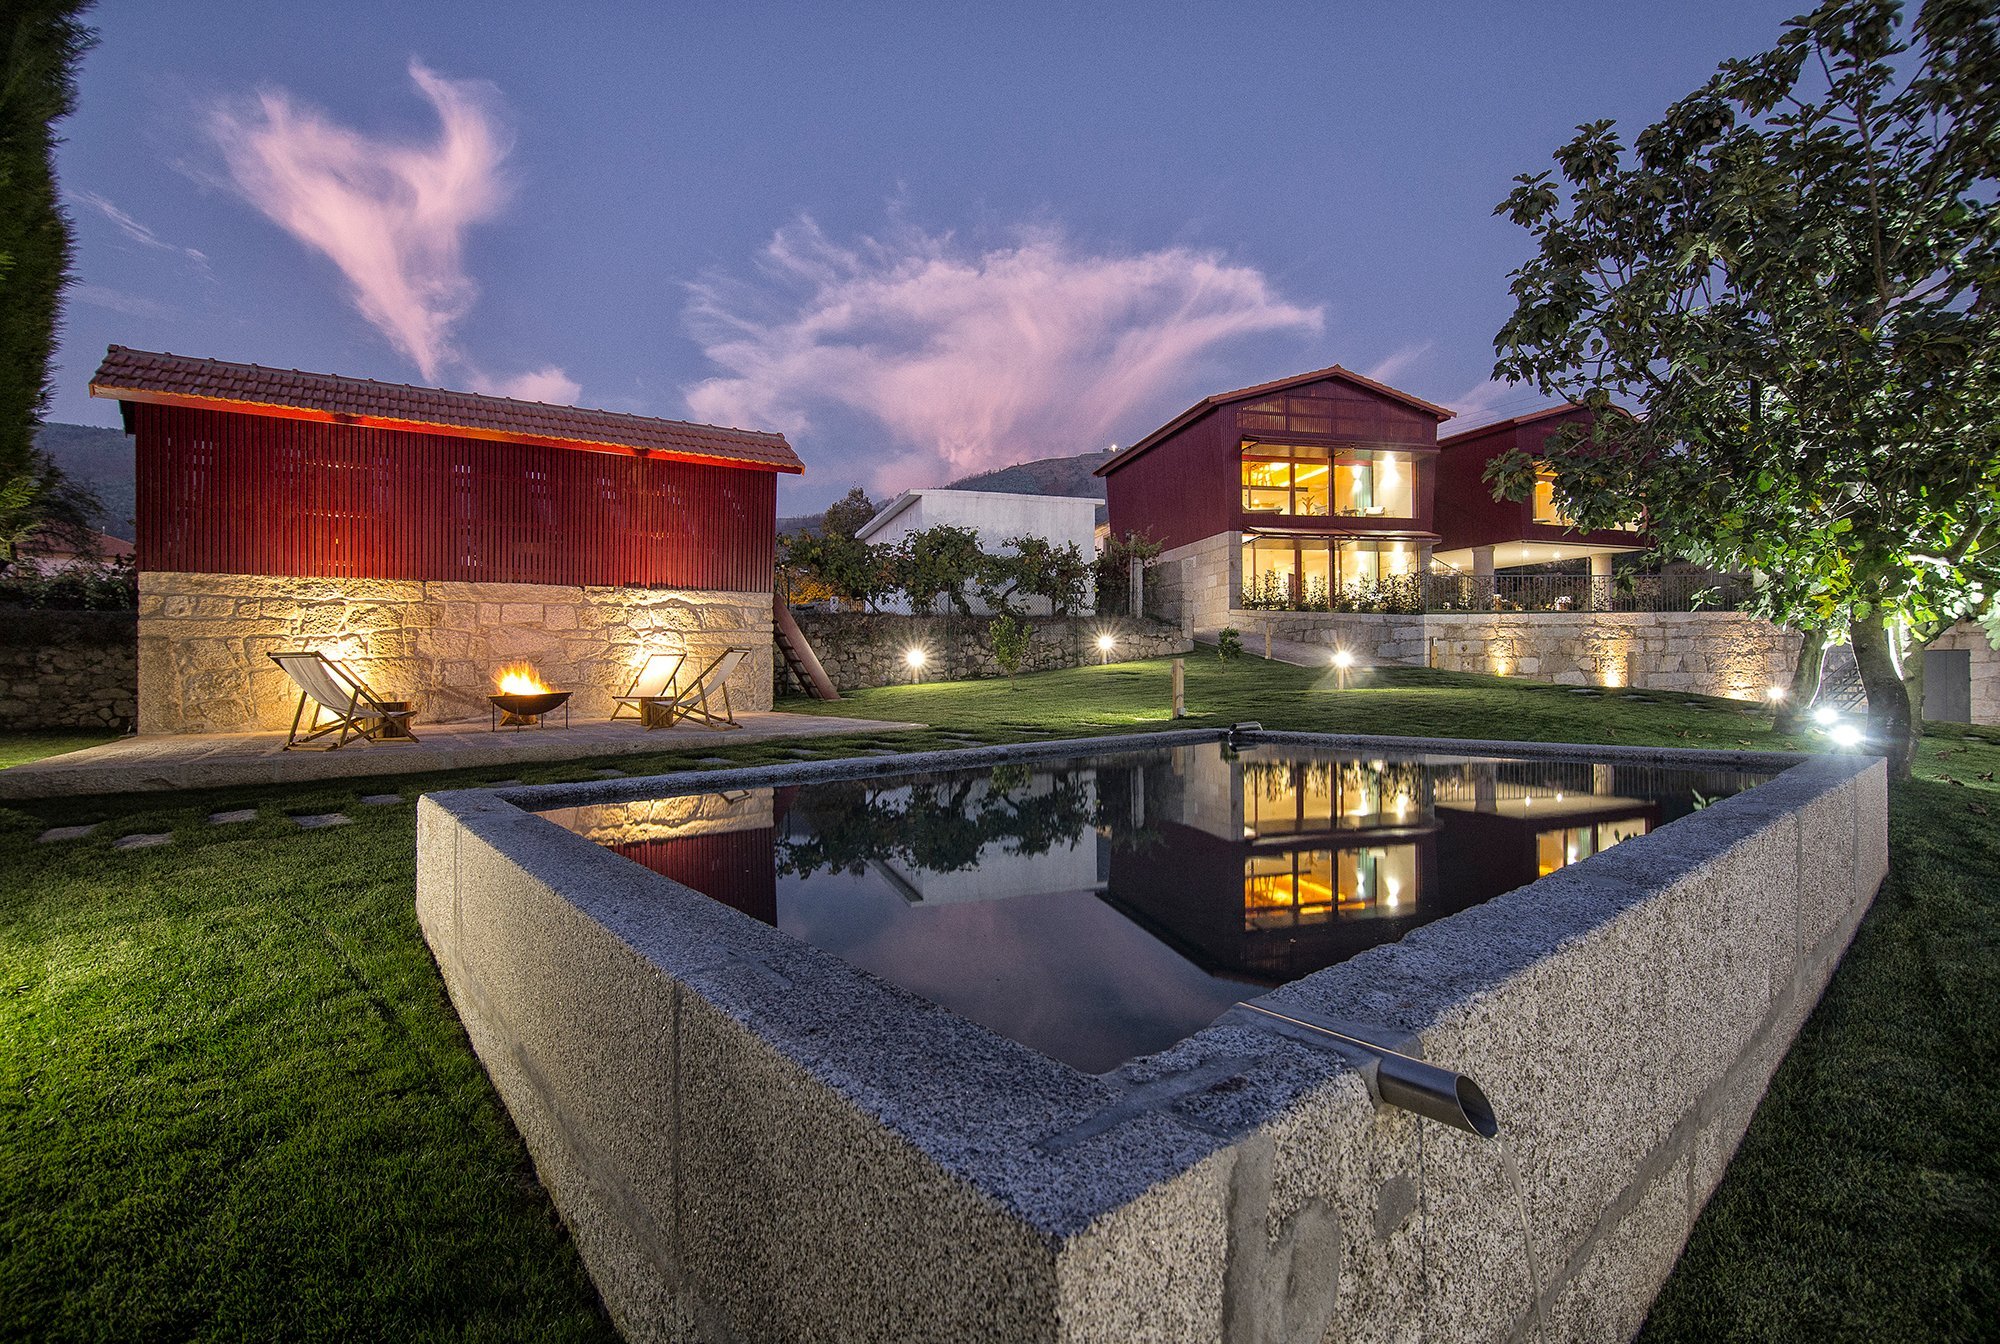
(1511, 592)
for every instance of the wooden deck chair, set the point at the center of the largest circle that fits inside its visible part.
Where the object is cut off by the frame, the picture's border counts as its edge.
(697, 701)
(653, 686)
(334, 690)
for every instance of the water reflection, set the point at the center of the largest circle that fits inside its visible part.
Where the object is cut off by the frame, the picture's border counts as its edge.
(1105, 908)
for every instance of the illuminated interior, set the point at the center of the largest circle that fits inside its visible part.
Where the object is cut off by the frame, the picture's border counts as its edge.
(1546, 508)
(1300, 566)
(1564, 845)
(1284, 890)
(1302, 481)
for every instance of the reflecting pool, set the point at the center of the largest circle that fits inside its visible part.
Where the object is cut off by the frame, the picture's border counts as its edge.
(1105, 907)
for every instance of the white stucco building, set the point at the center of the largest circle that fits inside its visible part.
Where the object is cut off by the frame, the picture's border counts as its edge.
(996, 516)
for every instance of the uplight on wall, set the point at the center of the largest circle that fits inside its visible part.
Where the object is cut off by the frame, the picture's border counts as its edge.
(1844, 735)
(1105, 644)
(914, 659)
(1826, 716)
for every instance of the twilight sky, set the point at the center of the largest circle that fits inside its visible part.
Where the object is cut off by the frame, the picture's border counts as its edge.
(921, 240)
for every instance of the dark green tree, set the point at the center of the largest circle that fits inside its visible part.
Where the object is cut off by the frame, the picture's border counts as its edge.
(940, 562)
(1792, 276)
(836, 564)
(41, 42)
(1113, 570)
(1011, 640)
(1035, 567)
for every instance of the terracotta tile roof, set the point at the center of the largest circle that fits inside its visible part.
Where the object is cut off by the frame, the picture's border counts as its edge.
(143, 375)
(1207, 404)
(1511, 422)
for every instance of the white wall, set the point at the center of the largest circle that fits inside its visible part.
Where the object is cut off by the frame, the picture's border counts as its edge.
(1063, 520)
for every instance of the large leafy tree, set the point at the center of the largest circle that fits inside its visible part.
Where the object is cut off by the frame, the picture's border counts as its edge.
(834, 563)
(40, 44)
(938, 562)
(1792, 275)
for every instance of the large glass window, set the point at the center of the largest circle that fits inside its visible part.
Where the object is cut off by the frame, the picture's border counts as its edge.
(1310, 571)
(1312, 886)
(1564, 845)
(1302, 481)
(1546, 508)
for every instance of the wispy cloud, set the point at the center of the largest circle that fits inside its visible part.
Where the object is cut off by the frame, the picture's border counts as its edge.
(1392, 366)
(969, 359)
(139, 233)
(391, 215)
(118, 301)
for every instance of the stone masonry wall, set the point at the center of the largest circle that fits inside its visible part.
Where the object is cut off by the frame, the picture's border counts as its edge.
(1195, 585)
(67, 669)
(1704, 652)
(868, 648)
(203, 640)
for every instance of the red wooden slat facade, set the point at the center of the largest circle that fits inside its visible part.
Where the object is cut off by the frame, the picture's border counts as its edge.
(1186, 483)
(227, 493)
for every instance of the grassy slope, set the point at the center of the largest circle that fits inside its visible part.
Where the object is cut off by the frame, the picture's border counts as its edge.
(234, 1101)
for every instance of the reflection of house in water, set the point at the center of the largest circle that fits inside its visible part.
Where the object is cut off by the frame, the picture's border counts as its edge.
(1004, 866)
(1510, 822)
(720, 844)
(1266, 869)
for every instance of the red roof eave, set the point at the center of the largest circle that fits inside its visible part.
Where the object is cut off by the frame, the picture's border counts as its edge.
(283, 412)
(1220, 399)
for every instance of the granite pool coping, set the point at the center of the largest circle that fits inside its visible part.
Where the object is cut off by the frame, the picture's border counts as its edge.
(1070, 1159)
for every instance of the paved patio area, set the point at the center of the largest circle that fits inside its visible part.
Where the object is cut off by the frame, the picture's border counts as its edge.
(199, 761)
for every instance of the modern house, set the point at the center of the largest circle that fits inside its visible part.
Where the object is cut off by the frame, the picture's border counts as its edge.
(1295, 488)
(430, 537)
(997, 516)
(1481, 534)
(1323, 510)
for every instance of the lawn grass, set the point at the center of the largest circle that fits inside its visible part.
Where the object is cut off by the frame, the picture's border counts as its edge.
(235, 1102)
(21, 748)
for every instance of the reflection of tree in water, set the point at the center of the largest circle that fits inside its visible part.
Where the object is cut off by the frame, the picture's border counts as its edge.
(938, 825)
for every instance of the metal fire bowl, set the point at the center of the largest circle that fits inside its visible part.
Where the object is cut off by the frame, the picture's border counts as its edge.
(530, 706)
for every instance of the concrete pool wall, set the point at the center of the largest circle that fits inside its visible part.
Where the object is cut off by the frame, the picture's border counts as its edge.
(751, 1140)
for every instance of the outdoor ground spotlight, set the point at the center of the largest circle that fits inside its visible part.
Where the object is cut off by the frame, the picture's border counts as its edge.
(1844, 735)
(1777, 695)
(1105, 643)
(1826, 716)
(1342, 661)
(914, 660)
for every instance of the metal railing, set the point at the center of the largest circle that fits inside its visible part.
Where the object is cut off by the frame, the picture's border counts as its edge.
(1514, 592)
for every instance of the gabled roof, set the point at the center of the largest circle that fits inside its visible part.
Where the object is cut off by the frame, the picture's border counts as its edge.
(181, 380)
(901, 503)
(1207, 404)
(1512, 422)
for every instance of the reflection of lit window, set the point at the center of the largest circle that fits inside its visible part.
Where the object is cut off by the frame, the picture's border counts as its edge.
(1564, 845)
(1285, 890)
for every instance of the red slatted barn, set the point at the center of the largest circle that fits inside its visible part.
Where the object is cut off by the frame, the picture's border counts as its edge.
(384, 491)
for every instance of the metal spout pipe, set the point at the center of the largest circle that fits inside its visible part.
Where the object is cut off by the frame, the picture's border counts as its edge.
(1409, 1083)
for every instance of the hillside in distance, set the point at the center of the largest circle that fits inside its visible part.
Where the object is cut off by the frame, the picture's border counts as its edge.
(101, 459)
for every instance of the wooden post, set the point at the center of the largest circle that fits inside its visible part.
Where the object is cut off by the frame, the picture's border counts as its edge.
(1267, 639)
(1180, 688)
(1135, 586)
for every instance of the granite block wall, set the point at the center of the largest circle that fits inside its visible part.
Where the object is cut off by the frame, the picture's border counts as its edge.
(869, 648)
(203, 638)
(67, 669)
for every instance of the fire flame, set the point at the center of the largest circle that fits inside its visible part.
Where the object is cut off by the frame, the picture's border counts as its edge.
(520, 679)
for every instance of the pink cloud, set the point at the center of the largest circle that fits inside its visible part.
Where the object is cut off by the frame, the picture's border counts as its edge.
(968, 359)
(391, 216)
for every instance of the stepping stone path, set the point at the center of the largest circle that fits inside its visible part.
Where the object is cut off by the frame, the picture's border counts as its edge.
(502, 784)
(141, 841)
(320, 821)
(715, 760)
(609, 774)
(381, 799)
(232, 818)
(799, 754)
(50, 837)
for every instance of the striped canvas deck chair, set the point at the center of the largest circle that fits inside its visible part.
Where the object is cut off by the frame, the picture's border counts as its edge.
(654, 686)
(696, 701)
(342, 704)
